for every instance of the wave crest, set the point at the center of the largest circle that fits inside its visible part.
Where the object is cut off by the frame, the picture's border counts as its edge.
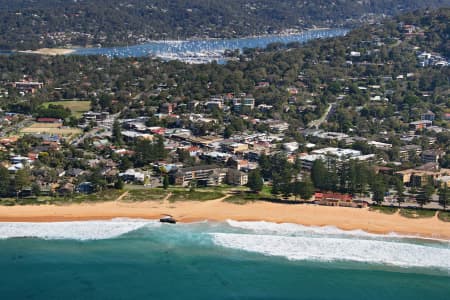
(78, 230)
(338, 249)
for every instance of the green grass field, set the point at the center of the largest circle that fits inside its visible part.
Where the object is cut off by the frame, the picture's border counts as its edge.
(145, 195)
(102, 196)
(444, 216)
(77, 107)
(243, 198)
(186, 195)
(384, 209)
(417, 213)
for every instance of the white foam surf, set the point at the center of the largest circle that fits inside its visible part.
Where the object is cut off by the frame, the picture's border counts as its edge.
(263, 227)
(290, 229)
(79, 230)
(339, 249)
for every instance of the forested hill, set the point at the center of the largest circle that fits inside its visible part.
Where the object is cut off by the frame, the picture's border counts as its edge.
(27, 24)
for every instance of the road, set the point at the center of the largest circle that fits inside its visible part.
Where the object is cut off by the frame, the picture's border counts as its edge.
(324, 117)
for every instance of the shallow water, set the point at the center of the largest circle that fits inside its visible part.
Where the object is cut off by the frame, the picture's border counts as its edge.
(137, 259)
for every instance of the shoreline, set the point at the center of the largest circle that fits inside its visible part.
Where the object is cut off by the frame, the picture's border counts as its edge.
(218, 211)
(67, 51)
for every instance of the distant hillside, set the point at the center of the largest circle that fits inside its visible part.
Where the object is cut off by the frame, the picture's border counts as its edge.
(29, 24)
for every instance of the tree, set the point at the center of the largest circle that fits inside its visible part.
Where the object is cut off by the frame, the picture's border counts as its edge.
(426, 193)
(319, 174)
(5, 181)
(119, 184)
(117, 138)
(22, 179)
(400, 189)
(165, 181)
(444, 196)
(276, 188)
(255, 181)
(378, 189)
(307, 190)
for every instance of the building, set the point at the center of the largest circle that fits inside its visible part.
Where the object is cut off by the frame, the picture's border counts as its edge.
(86, 188)
(339, 153)
(236, 177)
(307, 161)
(214, 103)
(418, 178)
(246, 102)
(95, 116)
(166, 108)
(277, 126)
(428, 116)
(132, 175)
(337, 199)
(233, 147)
(432, 156)
(207, 175)
(49, 120)
(420, 125)
(27, 86)
(407, 152)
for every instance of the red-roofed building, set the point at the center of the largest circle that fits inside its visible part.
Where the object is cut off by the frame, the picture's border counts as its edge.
(157, 130)
(333, 199)
(48, 120)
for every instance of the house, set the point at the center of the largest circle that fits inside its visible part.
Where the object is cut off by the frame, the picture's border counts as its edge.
(214, 103)
(420, 125)
(291, 147)
(131, 175)
(277, 126)
(246, 102)
(429, 116)
(166, 108)
(66, 190)
(85, 188)
(432, 156)
(27, 86)
(444, 180)
(95, 116)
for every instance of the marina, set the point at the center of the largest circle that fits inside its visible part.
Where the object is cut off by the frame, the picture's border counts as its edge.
(207, 50)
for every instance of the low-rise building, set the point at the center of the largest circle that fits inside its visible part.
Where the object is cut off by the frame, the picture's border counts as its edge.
(432, 156)
(420, 125)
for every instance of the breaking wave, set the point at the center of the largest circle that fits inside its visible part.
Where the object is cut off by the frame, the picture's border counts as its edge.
(296, 242)
(79, 230)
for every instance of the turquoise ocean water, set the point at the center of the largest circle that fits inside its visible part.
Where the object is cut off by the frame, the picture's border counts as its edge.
(137, 259)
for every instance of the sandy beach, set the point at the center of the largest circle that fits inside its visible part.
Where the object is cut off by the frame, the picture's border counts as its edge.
(217, 210)
(49, 51)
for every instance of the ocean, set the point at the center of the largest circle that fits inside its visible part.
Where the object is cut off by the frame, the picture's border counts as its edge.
(140, 259)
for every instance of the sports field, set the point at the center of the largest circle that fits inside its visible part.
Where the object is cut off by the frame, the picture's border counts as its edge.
(76, 107)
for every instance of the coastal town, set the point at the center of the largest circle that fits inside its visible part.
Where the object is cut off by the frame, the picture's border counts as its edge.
(239, 149)
(149, 138)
